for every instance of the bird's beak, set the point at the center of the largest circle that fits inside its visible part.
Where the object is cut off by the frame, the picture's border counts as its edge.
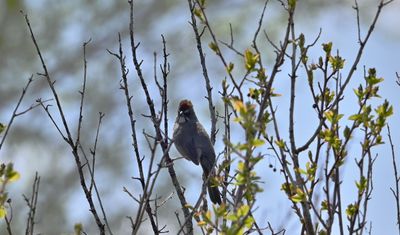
(181, 117)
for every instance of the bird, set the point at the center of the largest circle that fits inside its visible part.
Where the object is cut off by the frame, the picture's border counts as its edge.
(193, 143)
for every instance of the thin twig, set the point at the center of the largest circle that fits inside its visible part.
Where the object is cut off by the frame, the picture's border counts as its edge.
(280, 58)
(68, 136)
(192, 6)
(209, 97)
(82, 93)
(92, 168)
(139, 161)
(156, 121)
(8, 218)
(362, 43)
(396, 191)
(32, 203)
(49, 81)
(15, 114)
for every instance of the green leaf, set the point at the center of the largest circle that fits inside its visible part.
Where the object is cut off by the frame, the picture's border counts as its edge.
(14, 5)
(346, 132)
(241, 166)
(320, 61)
(2, 127)
(371, 78)
(329, 115)
(232, 217)
(261, 74)
(362, 185)
(2, 169)
(78, 228)
(250, 59)
(322, 232)
(207, 216)
(301, 171)
(281, 144)
(14, 176)
(379, 140)
(11, 174)
(237, 119)
(336, 62)
(249, 221)
(299, 196)
(327, 47)
(374, 80)
(355, 117)
(197, 12)
(311, 169)
(351, 210)
(230, 67)
(3, 212)
(243, 147)
(258, 142)
(332, 116)
(243, 210)
(359, 92)
(214, 47)
(329, 95)
(189, 206)
(384, 109)
(310, 76)
(238, 106)
(254, 93)
(324, 205)
(201, 223)
(220, 210)
(202, 2)
(301, 40)
(292, 4)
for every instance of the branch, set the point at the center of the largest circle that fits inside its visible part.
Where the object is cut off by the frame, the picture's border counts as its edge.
(156, 121)
(68, 137)
(32, 202)
(82, 92)
(49, 81)
(396, 191)
(362, 43)
(15, 114)
(211, 106)
(280, 58)
(214, 39)
(128, 98)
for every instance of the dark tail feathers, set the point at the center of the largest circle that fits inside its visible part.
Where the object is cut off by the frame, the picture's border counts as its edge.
(207, 163)
(214, 193)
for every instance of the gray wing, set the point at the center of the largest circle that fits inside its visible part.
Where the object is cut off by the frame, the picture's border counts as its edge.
(205, 150)
(207, 162)
(186, 146)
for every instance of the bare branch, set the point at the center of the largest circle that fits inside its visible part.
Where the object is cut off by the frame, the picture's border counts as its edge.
(15, 114)
(82, 92)
(156, 121)
(67, 137)
(396, 191)
(209, 97)
(128, 99)
(32, 203)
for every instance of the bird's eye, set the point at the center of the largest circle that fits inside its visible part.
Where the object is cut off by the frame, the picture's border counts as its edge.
(184, 111)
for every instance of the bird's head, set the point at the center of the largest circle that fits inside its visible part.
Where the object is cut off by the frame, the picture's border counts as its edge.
(186, 112)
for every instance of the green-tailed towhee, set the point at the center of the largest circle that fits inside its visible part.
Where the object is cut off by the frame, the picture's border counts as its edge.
(193, 143)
